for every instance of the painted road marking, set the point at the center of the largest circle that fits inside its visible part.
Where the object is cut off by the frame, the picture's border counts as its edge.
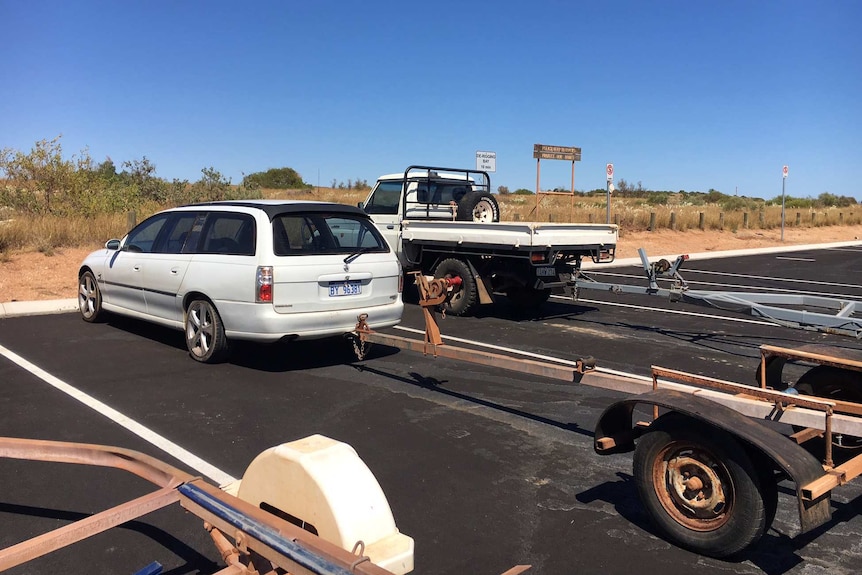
(795, 259)
(141, 431)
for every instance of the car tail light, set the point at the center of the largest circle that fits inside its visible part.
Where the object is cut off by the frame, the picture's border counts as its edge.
(538, 257)
(400, 279)
(263, 285)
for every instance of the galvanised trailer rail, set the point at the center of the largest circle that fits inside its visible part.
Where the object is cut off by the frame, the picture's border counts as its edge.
(786, 310)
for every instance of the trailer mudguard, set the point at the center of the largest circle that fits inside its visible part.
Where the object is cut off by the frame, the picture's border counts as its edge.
(615, 434)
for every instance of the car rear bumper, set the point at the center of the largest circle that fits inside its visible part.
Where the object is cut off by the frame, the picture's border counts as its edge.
(260, 322)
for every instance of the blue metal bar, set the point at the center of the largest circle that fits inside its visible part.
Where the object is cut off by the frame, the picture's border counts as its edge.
(262, 532)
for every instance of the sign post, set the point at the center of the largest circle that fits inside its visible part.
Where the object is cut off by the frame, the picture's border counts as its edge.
(486, 162)
(784, 172)
(610, 172)
(545, 152)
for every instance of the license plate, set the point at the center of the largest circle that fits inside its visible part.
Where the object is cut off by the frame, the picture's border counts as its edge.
(546, 272)
(344, 288)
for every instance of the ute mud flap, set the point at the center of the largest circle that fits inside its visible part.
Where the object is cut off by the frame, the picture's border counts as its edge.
(615, 434)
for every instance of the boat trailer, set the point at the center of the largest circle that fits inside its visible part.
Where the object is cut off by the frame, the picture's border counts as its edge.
(699, 428)
(788, 310)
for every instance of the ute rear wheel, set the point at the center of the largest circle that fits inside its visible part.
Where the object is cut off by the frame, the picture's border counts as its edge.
(465, 297)
(205, 338)
(478, 207)
(701, 489)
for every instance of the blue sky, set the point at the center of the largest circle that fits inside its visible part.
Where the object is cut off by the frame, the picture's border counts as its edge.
(678, 94)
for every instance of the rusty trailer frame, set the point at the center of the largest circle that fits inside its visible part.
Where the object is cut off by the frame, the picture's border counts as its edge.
(249, 540)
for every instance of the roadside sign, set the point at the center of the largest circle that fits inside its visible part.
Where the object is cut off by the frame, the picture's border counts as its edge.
(486, 161)
(610, 170)
(544, 152)
(784, 172)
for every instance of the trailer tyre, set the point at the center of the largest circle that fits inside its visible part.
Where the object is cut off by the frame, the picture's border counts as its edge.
(465, 298)
(700, 487)
(478, 207)
(837, 384)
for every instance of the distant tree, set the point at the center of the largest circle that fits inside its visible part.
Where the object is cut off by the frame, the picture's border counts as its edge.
(713, 196)
(523, 192)
(277, 178)
(623, 187)
(503, 190)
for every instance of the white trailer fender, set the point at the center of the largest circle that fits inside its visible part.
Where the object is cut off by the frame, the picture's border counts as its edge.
(323, 483)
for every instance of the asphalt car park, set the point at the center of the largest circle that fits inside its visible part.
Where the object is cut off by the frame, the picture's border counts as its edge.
(484, 468)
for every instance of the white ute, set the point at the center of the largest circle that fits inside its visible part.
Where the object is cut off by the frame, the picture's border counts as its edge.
(445, 222)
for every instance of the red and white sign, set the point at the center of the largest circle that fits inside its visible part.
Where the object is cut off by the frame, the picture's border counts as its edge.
(610, 172)
(784, 171)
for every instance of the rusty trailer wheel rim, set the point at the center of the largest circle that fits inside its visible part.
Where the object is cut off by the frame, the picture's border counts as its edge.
(693, 486)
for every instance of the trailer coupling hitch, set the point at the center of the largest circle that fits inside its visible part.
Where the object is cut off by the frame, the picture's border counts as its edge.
(663, 269)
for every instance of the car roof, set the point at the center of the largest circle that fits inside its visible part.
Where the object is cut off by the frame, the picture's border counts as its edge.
(273, 208)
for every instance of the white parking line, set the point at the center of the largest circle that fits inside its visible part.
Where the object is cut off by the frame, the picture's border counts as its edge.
(144, 433)
(795, 259)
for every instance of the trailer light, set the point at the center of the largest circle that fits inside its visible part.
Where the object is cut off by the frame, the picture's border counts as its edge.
(538, 257)
(263, 284)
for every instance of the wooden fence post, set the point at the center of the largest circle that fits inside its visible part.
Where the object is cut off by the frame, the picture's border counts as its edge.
(721, 220)
(745, 220)
(652, 221)
(700, 222)
(131, 219)
(673, 221)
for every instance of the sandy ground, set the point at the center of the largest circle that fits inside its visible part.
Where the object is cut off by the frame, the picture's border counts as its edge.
(31, 276)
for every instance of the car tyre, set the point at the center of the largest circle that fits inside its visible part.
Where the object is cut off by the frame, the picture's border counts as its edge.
(205, 338)
(478, 207)
(465, 298)
(90, 298)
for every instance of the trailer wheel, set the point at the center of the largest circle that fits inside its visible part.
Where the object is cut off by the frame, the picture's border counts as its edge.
(478, 207)
(466, 296)
(700, 487)
(838, 384)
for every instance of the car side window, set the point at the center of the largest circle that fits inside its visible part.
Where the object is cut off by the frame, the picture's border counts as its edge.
(142, 239)
(173, 241)
(385, 199)
(228, 233)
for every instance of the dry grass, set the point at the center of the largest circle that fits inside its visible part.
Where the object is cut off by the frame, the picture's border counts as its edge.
(48, 233)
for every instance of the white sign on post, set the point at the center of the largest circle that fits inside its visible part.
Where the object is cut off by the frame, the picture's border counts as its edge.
(610, 171)
(486, 161)
(784, 171)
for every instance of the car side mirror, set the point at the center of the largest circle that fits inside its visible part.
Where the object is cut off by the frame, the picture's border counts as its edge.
(112, 245)
(360, 205)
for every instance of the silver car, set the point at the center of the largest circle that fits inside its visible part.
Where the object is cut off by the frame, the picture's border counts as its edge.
(259, 270)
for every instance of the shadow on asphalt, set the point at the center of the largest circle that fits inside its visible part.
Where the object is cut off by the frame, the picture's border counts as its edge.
(195, 562)
(775, 554)
(275, 357)
(436, 385)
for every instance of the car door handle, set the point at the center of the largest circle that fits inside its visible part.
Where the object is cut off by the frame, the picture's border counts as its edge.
(136, 268)
(390, 227)
(175, 271)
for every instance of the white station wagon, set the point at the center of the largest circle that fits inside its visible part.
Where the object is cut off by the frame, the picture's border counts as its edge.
(259, 270)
